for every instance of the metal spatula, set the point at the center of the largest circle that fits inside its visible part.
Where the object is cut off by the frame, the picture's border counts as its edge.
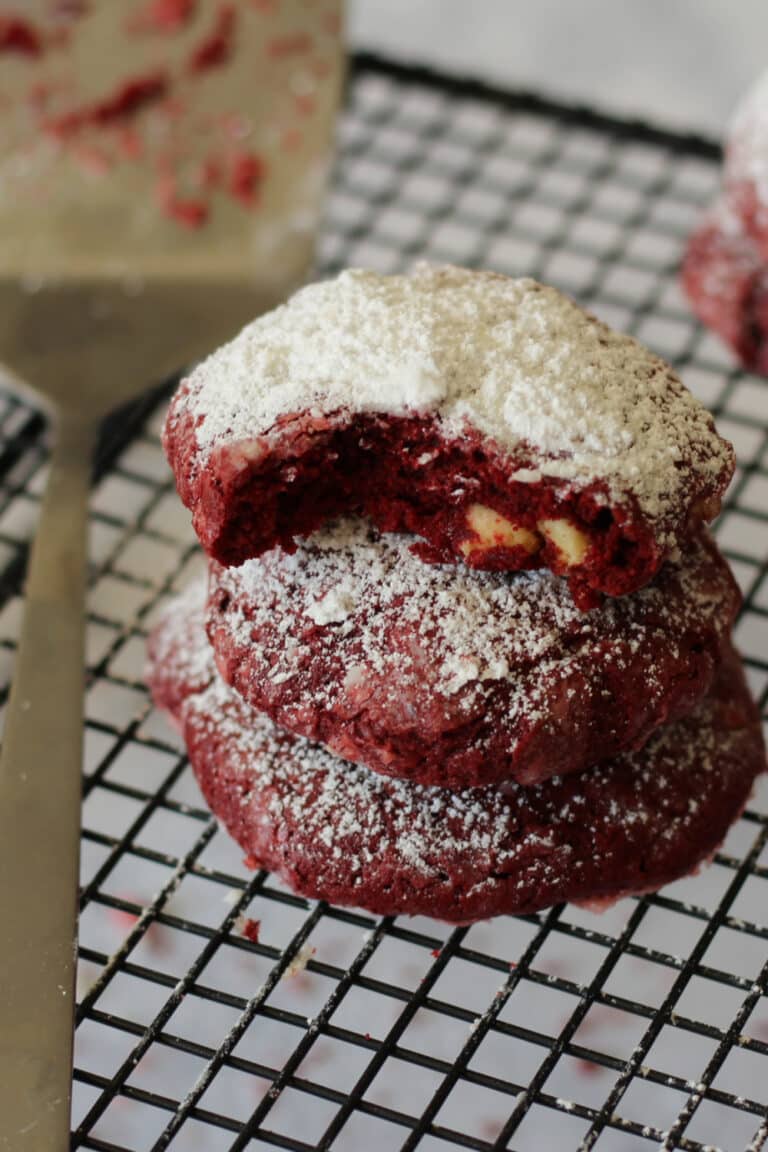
(100, 296)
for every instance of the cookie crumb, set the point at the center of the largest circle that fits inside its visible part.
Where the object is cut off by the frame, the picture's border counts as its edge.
(300, 961)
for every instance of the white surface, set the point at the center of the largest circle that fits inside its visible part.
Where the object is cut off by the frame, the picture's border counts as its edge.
(682, 63)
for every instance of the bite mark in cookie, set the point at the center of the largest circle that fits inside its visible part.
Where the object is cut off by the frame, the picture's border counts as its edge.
(418, 399)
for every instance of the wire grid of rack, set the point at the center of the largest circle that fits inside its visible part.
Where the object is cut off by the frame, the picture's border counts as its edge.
(645, 1026)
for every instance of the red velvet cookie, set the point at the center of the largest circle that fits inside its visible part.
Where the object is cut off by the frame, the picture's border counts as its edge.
(490, 416)
(446, 676)
(336, 831)
(726, 280)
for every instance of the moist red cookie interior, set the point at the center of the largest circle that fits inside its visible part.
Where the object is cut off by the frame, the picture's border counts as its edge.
(407, 478)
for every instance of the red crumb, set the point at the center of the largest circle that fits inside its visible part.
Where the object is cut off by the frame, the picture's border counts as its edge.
(251, 929)
(367, 1035)
(245, 177)
(283, 46)
(435, 952)
(189, 211)
(20, 36)
(250, 862)
(512, 965)
(216, 48)
(164, 16)
(128, 99)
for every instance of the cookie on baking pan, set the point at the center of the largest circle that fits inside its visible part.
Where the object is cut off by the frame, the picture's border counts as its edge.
(339, 832)
(726, 280)
(442, 675)
(490, 416)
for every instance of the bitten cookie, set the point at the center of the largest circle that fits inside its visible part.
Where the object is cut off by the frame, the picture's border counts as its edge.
(492, 417)
(445, 676)
(726, 281)
(339, 832)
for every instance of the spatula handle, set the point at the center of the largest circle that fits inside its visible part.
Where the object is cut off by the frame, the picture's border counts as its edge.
(40, 793)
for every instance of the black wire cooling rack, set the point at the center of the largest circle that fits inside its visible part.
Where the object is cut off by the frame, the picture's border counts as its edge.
(643, 1027)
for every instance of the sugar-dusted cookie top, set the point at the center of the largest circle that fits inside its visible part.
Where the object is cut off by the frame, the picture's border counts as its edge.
(477, 390)
(515, 359)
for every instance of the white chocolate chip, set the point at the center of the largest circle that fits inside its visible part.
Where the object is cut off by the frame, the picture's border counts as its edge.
(494, 531)
(570, 541)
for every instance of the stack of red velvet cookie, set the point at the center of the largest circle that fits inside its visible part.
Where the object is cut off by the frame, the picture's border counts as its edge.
(465, 645)
(725, 271)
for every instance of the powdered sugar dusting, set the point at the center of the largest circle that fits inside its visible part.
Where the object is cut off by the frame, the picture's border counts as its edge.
(518, 361)
(333, 607)
(719, 251)
(351, 811)
(178, 640)
(358, 605)
(336, 828)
